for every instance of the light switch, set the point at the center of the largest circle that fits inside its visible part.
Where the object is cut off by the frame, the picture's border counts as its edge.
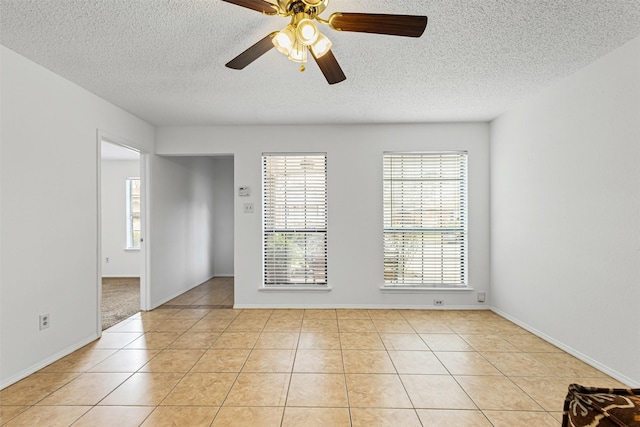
(248, 208)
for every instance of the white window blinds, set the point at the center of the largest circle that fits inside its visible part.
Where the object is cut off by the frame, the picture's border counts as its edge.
(425, 219)
(295, 219)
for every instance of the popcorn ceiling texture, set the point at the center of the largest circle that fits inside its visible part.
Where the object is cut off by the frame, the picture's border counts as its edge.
(163, 60)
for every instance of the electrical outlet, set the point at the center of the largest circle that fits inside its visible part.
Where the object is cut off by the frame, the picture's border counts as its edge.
(44, 321)
(481, 296)
(438, 302)
(247, 208)
(107, 260)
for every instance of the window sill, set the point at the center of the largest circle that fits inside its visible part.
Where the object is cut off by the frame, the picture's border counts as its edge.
(294, 289)
(411, 289)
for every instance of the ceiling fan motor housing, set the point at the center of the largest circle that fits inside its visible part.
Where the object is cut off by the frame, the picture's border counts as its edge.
(312, 7)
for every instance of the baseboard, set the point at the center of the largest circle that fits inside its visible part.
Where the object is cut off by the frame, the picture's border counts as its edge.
(586, 359)
(116, 276)
(359, 306)
(223, 275)
(46, 362)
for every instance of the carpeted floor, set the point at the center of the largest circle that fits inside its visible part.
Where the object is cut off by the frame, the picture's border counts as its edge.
(120, 299)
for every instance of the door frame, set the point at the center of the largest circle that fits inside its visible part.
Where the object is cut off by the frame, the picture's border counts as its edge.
(145, 294)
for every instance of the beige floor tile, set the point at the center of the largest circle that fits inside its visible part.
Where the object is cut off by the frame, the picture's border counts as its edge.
(282, 325)
(361, 341)
(34, 388)
(446, 342)
(173, 361)
(171, 416)
(79, 361)
(320, 314)
(200, 389)
(318, 361)
(194, 340)
(135, 325)
(521, 418)
(548, 392)
(429, 326)
(375, 417)
(114, 340)
(248, 417)
(367, 362)
(222, 360)
(352, 314)
(320, 325)
(417, 362)
(316, 417)
(466, 363)
(319, 341)
(557, 416)
(376, 391)
(269, 361)
(87, 389)
(531, 344)
(249, 325)
(497, 393)
(173, 325)
(143, 389)
(403, 342)
(207, 324)
(109, 416)
(9, 412)
(191, 313)
(565, 365)
(290, 314)
(125, 361)
(251, 389)
(436, 392)
(318, 390)
(277, 341)
(457, 418)
(517, 364)
(385, 314)
(356, 325)
(153, 341)
(50, 416)
(489, 343)
(397, 326)
(236, 340)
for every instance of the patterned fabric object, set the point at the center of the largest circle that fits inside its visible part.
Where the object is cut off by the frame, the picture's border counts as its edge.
(601, 407)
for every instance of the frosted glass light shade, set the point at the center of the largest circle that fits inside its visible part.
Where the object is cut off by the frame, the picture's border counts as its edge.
(307, 32)
(298, 52)
(284, 40)
(321, 46)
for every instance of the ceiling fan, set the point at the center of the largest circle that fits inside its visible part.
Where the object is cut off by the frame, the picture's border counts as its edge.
(302, 35)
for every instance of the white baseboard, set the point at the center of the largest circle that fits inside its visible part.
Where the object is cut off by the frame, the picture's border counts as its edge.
(46, 362)
(586, 359)
(120, 276)
(359, 306)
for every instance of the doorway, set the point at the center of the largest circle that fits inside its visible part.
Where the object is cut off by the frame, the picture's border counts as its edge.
(121, 224)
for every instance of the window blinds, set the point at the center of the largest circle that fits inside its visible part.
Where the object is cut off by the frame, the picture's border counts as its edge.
(425, 219)
(295, 219)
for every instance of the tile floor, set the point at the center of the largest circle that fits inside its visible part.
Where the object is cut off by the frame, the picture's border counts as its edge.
(222, 367)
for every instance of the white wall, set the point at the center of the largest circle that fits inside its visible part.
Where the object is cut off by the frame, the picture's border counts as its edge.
(180, 224)
(48, 218)
(122, 262)
(223, 191)
(354, 203)
(565, 211)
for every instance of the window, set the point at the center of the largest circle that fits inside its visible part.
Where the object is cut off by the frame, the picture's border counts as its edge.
(133, 213)
(295, 219)
(425, 219)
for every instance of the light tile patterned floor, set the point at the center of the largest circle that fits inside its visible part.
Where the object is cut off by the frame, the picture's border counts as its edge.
(222, 367)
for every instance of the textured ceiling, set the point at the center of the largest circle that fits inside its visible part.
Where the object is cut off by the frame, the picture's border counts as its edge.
(163, 60)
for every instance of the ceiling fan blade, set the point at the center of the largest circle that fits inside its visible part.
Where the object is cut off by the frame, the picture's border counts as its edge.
(253, 53)
(330, 67)
(257, 5)
(394, 25)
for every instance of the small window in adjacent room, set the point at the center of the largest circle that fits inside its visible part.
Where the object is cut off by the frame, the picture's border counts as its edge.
(133, 213)
(295, 220)
(425, 219)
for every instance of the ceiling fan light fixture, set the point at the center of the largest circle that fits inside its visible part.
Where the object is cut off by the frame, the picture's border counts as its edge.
(284, 40)
(321, 46)
(298, 52)
(307, 31)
